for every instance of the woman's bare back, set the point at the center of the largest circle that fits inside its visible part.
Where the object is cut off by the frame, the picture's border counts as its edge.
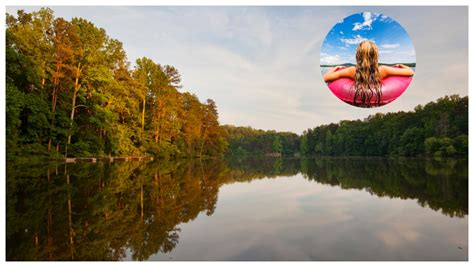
(385, 71)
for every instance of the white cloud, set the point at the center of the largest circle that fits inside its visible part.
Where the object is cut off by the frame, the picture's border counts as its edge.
(390, 46)
(354, 40)
(367, 16)
(341, 32)
(329, 59)
(385, 51)
(367, 24)
(384, 18)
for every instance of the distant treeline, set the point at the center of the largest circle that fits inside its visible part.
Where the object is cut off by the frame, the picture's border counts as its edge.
(439, 129)
(249, 141)
(70, 91)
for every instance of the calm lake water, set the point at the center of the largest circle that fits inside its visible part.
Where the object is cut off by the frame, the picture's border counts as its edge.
(245, 209)
(325, 69)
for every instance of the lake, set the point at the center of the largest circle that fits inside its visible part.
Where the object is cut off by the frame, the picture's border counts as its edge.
(325, 69)
(239, 209)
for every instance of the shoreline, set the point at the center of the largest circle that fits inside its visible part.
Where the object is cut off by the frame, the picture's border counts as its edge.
(107, 159)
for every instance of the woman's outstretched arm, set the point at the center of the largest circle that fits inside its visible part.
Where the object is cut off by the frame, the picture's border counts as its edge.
(397, 70)
(339, 72)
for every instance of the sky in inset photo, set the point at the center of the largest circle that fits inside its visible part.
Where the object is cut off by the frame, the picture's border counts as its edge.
(394, 44)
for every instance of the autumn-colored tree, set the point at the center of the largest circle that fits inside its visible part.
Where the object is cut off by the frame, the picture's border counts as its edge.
(71, 87)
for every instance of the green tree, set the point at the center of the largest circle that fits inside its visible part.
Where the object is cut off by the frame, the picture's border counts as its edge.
(276, 146)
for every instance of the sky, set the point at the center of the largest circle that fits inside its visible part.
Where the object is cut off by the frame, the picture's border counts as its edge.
(261, 64)
(341, 42)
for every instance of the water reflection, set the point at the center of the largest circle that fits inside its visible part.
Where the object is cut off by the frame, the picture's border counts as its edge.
(134, 210)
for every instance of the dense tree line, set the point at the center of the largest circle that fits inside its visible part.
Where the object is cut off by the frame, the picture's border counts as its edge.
(438, 128)
(249, 141)
(70, 91)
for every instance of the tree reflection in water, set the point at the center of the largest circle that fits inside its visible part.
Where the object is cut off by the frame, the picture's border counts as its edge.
(106, 211)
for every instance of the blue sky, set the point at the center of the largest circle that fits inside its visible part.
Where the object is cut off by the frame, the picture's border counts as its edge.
(394, 44)
(261, 64)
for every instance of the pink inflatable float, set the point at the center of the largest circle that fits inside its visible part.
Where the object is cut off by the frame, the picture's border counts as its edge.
(392, 88)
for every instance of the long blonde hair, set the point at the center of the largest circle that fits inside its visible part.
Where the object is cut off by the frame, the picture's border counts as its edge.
(367, 78)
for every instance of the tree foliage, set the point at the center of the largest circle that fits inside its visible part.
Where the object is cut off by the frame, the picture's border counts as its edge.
(438, 128)
(249, 141)
(72, 92)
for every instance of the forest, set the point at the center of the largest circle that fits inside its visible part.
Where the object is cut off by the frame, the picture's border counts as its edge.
(438, 128)
(71, 92)
(244, 141)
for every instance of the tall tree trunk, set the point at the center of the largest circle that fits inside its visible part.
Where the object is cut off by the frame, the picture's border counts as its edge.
(160, 115)
(157, 129)
(77, 87)
(143, 114)
(43, 74)
(54, 99)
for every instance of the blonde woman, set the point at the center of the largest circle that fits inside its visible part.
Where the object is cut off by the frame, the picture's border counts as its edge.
(367, 74)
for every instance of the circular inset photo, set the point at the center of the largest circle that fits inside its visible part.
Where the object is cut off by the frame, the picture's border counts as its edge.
(367, 60)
